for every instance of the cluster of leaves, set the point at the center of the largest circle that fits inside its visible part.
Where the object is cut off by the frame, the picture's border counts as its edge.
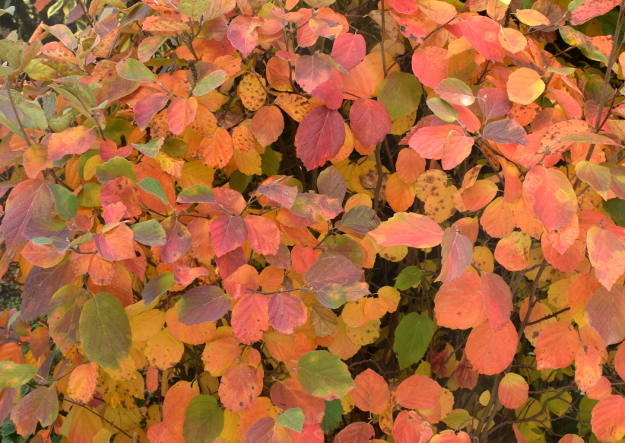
(292, 221)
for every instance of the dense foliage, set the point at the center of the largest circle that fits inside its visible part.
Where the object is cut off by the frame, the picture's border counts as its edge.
(303, 221)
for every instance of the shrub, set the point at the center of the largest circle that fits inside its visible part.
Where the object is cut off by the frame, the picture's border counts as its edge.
(310, 221)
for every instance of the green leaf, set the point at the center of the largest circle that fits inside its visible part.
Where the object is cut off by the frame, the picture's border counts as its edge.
(154, 187)
(442, 109)
(292, 418)
(114, 168)
(400, 93)
(203, 420)
(210, 82)
(324, 375)
(197, 194)
(412, 338)
(616, 208)
(408, 277)
(361, 219)
(150, 148)
(65, 203)
(149, 233)
(131, 69)
(157, 286)
(194, 8)
(13, 375)
(105, 330)
(332, 417)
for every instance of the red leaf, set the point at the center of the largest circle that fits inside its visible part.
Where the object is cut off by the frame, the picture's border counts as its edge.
(349, 50)
(262, 234)
(457, 252)
(286, 312)
(310, 72)
(588, 10)
(370, 121)
(332, 270)
(358, 432)
(418, 392)
(250, 318)
(330, 91)
(178, 240)
(497, 300)
(227, 233)
(243, 34)
(371, 392)
(482, 33)
(408, 229)
(551, 196)
(491, 352)
(147, 107)
(319, 136)
(607, 255)
(240, 386)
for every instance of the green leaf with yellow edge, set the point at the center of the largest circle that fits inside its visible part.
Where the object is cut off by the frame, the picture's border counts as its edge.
(13, 375)
(292, 418)
(412, 338)
(65, 203)
(400, 93)
(134, 70)
(149, 233)
(203, 420)
(323, 374)
(442, 109)
(105, 330)
(210, 82)
(114, 168)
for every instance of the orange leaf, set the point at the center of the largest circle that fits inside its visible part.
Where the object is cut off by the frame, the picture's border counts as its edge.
(524, 86)
(371, 393)
(418, 392)
(556, 346)
(491, 352)
(240, 386)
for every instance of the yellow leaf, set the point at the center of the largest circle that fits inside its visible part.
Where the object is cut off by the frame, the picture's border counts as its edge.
(194, 172)
(248, 162)
(525, 86)
(163, 350)
(147, 324)
(252, 92)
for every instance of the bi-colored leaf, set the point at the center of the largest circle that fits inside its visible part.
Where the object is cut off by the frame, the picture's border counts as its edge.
(13, 375)
(105, 330)
(40, 405)
(324, 375)
(455, 91)
(551, 196)
(605, 312)
(412, 338)
(65, 203)
(74, 140)
(606, 254)
(513, 391)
